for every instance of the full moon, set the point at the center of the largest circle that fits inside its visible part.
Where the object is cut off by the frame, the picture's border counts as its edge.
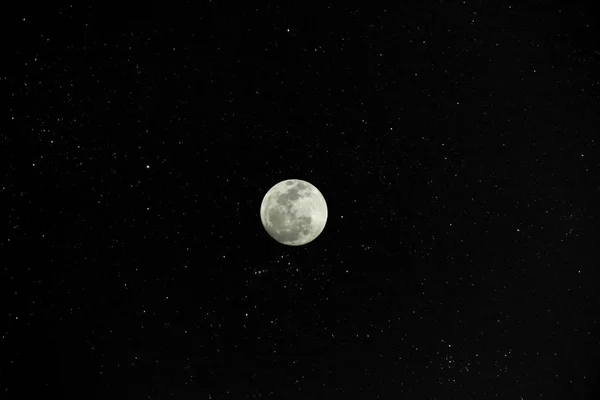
(294, 212)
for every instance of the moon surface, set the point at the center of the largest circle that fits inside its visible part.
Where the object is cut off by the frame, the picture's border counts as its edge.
(294, 212)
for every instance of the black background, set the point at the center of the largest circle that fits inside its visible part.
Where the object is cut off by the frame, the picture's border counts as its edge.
(456, 144)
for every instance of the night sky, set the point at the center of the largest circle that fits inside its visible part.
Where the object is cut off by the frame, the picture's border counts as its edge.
(455, 142)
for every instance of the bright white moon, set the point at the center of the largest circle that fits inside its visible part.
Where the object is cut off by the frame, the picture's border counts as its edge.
(294, 212)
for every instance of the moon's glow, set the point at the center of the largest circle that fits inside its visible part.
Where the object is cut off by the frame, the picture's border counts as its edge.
(294, 212)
